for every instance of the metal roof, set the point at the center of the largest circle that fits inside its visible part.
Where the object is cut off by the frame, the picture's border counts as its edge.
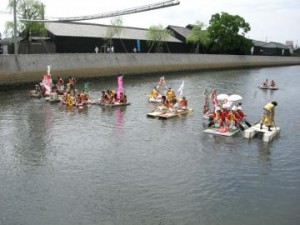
(183, 31)
(98, 31)
(259, 43)
(276, 45)
(269, 44)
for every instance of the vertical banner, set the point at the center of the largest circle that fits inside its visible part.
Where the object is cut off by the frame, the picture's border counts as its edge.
(120, 86)
(138, 45)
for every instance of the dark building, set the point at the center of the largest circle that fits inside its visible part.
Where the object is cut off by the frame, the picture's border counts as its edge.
(182, 33)
(271, 48)
(84, 38)
(76, 37)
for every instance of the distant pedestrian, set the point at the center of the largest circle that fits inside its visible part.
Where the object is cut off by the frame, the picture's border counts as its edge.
(96, 49)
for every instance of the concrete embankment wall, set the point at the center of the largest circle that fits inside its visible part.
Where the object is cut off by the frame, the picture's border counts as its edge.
(29, 68)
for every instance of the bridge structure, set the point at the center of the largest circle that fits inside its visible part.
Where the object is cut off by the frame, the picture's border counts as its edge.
(116, 13)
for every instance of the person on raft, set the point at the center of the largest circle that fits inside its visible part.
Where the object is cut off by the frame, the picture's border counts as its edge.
(268, 115)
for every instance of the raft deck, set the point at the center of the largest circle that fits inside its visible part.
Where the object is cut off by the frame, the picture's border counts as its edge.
(221, 131)
(267, 135)
(167, 114)
(115, 104)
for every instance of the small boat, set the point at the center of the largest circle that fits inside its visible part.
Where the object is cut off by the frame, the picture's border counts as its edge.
(268, 87)
(224, 131)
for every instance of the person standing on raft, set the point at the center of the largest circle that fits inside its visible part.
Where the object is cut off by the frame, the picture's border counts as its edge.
(268, 115)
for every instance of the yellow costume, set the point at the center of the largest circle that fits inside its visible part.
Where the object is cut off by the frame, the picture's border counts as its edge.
(154, 93)
(170, 94)
(268, 115)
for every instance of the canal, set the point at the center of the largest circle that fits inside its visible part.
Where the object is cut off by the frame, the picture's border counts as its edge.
(115, 166)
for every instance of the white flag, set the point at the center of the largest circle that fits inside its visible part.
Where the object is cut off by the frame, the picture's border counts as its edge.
(180, 89)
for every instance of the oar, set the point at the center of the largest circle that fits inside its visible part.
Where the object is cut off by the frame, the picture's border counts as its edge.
(240, 125)
(246, 122)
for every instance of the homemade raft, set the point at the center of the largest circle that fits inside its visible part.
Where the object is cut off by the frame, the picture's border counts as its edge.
(221, 131)
(167, 114)
(115, 104)
(267, 135)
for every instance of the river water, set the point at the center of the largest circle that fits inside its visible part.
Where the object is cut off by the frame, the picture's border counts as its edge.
(116, 166)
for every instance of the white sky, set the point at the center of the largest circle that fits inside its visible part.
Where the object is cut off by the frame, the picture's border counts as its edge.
(270, 20)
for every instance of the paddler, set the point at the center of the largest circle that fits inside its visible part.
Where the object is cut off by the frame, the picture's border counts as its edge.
(154, 93)
(219, 117)
(170, 94)
(231, 119)
(239, 114)
(268, 115)
(183, 103)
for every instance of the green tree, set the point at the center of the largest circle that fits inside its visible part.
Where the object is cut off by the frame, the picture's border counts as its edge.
(27, 9)
(227, 33)
(157, 36)
(115, 30)
(199, 37)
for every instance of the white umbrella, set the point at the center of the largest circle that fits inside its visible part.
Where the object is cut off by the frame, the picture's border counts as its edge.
(222, 97)
(234, 98)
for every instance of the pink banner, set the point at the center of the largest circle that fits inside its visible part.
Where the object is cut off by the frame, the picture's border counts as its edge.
(120, 86)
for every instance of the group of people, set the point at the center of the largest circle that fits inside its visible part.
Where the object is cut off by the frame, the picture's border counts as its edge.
(57, 91)
(111, 97)
(223, 117)
(70, 95)
(267, 84)
(173, 104)
(227, 117)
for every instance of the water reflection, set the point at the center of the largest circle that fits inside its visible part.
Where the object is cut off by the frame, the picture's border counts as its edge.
(264, 156)
(119, 117)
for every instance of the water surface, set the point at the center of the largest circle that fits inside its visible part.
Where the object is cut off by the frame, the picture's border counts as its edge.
(116, 166)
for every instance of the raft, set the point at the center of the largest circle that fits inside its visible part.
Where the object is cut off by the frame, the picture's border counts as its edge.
(267, 135)
(154, 114)
(164, 114)
(221, 131)
(154, 100)
(115, 104)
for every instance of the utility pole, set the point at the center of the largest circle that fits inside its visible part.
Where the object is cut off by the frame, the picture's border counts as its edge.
(15, 28)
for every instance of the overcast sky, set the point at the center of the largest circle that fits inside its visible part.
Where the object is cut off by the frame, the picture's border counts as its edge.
(270, 20)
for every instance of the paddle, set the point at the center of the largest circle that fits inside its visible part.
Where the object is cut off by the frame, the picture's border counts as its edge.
(246, 122)
(240, 125)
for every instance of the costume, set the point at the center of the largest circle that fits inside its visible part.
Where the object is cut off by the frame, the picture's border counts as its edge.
(268, 114)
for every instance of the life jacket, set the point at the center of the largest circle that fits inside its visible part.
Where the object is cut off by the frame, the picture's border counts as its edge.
(231, 116)
(183, 102)
(170, 94)
(154, 93)
(239, 115)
